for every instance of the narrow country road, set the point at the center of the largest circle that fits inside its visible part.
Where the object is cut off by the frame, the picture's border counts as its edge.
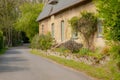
(18, 64)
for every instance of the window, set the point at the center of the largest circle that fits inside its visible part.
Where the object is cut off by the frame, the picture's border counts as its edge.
(74, 35)
(62, 31)
(42, 29)
(100, 28)
(52, 30)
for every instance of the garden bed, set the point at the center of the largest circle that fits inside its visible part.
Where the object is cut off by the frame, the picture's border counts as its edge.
(87, 59)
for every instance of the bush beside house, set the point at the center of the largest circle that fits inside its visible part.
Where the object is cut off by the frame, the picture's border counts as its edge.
(110, 12)
(42, 42)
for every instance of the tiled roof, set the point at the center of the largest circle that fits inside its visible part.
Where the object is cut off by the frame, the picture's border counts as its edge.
(45, 13)
(49, 9)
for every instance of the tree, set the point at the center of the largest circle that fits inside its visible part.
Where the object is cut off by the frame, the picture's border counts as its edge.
(27, 19)
(109, 10)
(74, 23)
(87, 26)
(8, 14)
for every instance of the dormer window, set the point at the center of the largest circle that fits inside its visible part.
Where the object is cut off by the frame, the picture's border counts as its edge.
(53, 2)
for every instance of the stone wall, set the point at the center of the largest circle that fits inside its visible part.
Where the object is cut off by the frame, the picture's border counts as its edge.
(90, 60)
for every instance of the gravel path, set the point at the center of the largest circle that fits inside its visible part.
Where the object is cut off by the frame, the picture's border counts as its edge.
(18, 64)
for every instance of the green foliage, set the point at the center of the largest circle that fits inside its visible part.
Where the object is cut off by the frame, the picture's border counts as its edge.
(87, 23)
(116, 75)
(2, 51)
(106, 50)
(115, 52)
(62, 50)
(87, 26)
(35, 42)
(84, 51)
(74, 22)
(46, 41)
(43, 42)
(1, 40)
(27, 21)
(109, 10)
(8, 15)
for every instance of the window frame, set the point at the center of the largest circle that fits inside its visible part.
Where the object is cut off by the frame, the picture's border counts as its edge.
(99, 28)
(75, 35)
(53, 30)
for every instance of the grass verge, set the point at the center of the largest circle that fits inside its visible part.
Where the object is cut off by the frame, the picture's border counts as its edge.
(101, 73)
(2, 51)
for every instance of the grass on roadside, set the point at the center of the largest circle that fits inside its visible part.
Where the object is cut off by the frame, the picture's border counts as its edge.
(2, 51)
(101, 73)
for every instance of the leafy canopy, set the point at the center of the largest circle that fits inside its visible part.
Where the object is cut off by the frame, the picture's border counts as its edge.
(27, 21)
(109, 10)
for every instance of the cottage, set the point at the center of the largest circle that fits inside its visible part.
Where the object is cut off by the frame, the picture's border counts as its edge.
(56, 14)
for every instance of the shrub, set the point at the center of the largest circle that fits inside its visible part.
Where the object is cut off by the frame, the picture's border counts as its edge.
(42, 42)
(35, 42)
(74, 22)
(84, 51)
(62, 50)
(72, 46)
(105, 50)
(115, 52)
(45, 42)
(1, 40)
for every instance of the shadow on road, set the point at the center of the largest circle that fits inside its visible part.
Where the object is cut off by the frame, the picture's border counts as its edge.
(11, 68)
(13, 60)
(24, 46)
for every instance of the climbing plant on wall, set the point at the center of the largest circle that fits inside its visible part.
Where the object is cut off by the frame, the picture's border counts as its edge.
(87, 26)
